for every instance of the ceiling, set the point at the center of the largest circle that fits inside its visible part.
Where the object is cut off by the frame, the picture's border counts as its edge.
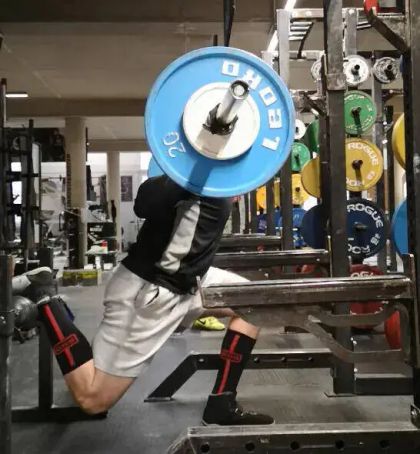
(176, 11)
(74, 57)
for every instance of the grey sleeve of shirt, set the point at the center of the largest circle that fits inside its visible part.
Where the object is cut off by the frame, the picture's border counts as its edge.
(187, 215)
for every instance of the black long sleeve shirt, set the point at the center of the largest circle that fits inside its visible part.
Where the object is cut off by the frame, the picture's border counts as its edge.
(180, 234)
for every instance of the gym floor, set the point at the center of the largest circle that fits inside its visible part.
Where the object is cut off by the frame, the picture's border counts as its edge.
(133, 426)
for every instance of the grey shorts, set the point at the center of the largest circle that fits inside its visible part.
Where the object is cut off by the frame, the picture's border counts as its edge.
(139, 317)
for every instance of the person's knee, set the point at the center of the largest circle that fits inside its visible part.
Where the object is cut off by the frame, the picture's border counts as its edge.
(242, 326)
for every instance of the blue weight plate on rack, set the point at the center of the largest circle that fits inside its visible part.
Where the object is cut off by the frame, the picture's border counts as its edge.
(154, 170)
(367, 228)
(179, 159)
(399, 229)
(313, 228)
(298, 240)
(298, 215)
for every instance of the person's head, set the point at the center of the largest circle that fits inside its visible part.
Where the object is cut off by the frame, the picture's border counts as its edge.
(261, 210)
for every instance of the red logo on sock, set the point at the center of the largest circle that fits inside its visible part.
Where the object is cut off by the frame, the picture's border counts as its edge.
(231, 356)
(67, 342)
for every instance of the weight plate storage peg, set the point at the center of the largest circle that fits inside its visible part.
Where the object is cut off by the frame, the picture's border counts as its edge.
(364, 165)
(398, 140)
(356, 70)
(300, 156)
(359, 112)
(220, 122)
(311, 178)
(300, 129)
(386, 70)
(153, 170)
(399, 229)
(367, 228)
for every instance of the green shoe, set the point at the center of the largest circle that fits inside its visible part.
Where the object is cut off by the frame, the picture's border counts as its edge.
(209, 324)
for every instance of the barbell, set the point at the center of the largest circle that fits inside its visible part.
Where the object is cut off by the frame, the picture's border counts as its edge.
(219, 122)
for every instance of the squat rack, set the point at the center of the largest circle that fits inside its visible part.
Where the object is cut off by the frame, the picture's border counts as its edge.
(404, 32)
(345, 379)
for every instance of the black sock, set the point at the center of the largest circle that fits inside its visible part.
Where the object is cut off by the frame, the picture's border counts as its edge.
(235, 353)
(70, 346)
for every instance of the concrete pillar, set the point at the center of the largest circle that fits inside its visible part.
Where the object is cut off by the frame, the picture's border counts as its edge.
(113, 191)
(75, 142)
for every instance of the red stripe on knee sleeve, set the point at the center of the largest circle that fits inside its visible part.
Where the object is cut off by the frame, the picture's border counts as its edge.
(232, 347)
(60, 337)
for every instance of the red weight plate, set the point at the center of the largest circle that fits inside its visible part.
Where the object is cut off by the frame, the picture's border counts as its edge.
(370, 307)
(393, 331)
(369, 4)
(314, 270)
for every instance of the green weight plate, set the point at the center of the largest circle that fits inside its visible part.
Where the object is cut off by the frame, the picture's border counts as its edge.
(300, 156)
(359, 112)
(311, 137)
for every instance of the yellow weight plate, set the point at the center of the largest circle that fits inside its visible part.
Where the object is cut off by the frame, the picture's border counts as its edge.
(311, 177)
(262, 195)
(364, 165)
(398, 140)
(299, 195)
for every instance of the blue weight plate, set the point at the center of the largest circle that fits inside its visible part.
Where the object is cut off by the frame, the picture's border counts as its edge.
(154, 170)
(313, 228)
(399, 229)
(298, 215)
(176, 156)
(367, 229)
(298, 240)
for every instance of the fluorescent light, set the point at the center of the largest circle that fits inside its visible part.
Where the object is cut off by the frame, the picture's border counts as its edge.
(290, 4)
(17, 94)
